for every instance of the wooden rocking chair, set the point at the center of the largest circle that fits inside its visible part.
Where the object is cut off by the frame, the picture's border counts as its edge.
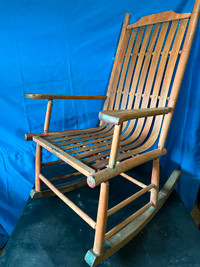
(147, 73)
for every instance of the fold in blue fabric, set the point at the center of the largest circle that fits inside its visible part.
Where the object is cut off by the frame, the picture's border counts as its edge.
(68, 47)
(3, 237)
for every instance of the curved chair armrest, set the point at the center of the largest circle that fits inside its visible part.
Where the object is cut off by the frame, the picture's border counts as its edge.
(54, 96)
(117, 117)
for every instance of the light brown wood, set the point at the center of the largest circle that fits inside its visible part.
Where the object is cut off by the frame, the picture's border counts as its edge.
(127, 132)
(115, 146)
(63, 188)
(54, 96)
(129, 199)
(74, 207)
(145, 67)
(139, 66)
(146, 93)
(29, 137)
(84, 169)
(126, 234)
(38, 167)
(155, 180)
(153, 53)
(159, 76)
(153, 137)
(119, 116)
(64, 176)
(158, 18)
(101, 219)
(55, 162)
(106, 174)
(48, 115)
(150, 80)
(143, 89)
(115, 68)
(180, 70)
(131, 179)
(131, 67)
(124, 69)
(127, 221)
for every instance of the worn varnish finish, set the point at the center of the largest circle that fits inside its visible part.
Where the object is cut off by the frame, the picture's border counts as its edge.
(54, 96)
(143, 89)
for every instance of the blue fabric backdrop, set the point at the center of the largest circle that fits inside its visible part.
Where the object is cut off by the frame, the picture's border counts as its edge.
(68, 47)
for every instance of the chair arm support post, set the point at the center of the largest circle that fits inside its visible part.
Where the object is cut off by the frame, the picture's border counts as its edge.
(115, 145)
(38, 167)
(155, 177)
(48, 115)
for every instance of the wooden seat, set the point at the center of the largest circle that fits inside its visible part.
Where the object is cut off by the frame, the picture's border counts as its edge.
(148, 69)
(92, 148)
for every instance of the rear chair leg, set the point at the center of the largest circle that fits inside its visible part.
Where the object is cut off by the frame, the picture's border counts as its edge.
(38, 168)
(155, 180)
(101, 219)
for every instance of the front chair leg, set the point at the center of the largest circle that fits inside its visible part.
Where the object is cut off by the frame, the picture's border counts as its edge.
(101, 219)
(38, 168)
(155, 180)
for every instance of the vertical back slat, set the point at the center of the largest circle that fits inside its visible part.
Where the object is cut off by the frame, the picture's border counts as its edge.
(139, 65)
(143, 75)
(141, 68)
(115, 64)
(131, 67)
(172, 61)
(124, 69)
(166, 83)
(163, 61)
(154, 64)
(118, 69)
(145, 67)
(150, 77)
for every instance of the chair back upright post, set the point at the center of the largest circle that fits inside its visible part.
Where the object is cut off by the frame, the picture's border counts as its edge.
(180, 71)
(116, 70)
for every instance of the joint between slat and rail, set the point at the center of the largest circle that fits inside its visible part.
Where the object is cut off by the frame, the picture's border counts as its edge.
(67, 201)
(153, 53)
(146, 95)
(78, 165)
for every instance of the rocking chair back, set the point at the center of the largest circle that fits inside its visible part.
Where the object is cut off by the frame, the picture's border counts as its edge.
(148, 71)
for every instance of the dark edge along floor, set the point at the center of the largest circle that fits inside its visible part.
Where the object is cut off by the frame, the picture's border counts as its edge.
(50, 234)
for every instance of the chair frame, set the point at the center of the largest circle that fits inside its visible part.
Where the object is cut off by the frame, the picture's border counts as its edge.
(105, 244)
